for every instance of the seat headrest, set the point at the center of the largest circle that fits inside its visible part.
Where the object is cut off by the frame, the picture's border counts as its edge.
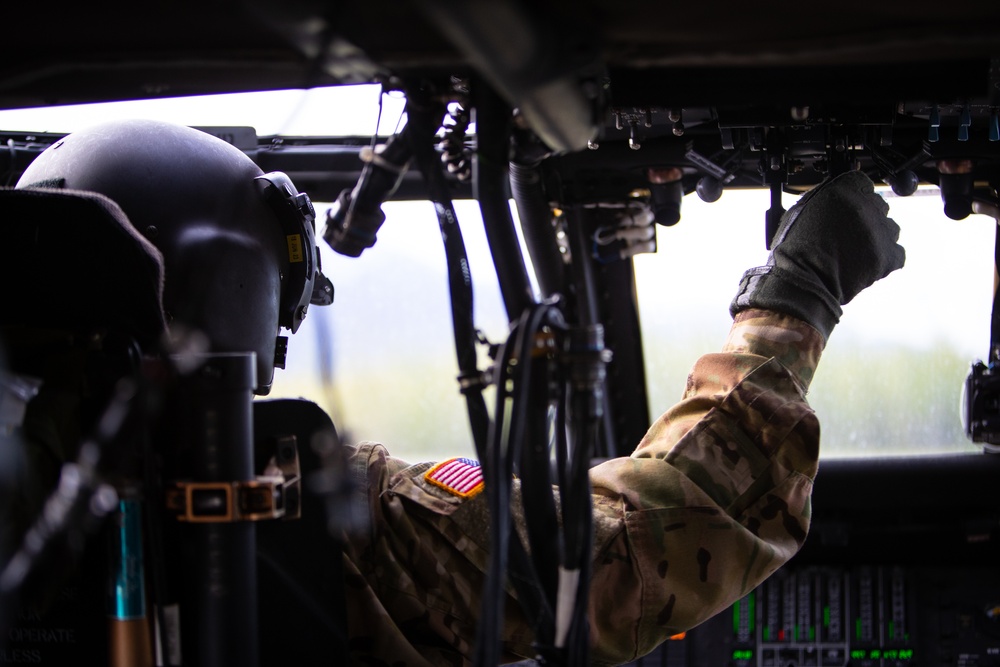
(71, 260)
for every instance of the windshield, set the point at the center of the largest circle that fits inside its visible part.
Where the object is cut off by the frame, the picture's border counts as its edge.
(381, 360)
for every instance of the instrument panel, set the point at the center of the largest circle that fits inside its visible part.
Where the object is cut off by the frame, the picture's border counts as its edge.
(900, 569)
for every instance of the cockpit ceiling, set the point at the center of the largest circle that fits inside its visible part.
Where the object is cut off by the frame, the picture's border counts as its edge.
(130, 50)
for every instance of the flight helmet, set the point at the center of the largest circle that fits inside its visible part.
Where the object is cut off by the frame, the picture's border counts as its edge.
(238, 245)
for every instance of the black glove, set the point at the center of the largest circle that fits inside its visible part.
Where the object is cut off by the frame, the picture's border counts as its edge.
(833, 243)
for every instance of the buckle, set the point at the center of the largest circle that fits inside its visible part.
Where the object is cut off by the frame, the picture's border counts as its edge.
(272, 496)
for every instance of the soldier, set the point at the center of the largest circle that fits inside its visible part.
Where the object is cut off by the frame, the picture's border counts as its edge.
(714, 499)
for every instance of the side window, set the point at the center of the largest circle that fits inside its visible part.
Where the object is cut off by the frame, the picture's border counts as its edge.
(890, 382)
(381, 359)
(891, 378)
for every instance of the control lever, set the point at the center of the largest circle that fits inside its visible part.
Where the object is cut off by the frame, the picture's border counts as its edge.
(773, 215)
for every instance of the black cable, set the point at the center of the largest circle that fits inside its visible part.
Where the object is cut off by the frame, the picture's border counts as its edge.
(536, 370)
(535, 217)
(423, 118)
(498, 469)
(499, 443)
(589, 417)
(535, 467)
(491, 186)
(456, 157)
(995, 313)
(585, 358)
(497, 482)
(587, 309)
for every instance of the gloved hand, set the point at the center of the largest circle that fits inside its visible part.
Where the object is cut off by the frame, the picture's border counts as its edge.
(834, 242)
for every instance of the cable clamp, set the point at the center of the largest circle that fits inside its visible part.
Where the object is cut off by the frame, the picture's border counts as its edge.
(474, 381)
(226, 502)
(374, 156)
(274, 495)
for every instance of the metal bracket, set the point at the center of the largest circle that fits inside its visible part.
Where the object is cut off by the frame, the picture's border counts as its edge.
(276, 495)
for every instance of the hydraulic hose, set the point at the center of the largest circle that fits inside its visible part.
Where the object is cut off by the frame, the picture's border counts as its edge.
(490, 186)
(536, 226)
(423, 119)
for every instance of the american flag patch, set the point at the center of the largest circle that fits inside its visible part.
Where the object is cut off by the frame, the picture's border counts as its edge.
(462, 477)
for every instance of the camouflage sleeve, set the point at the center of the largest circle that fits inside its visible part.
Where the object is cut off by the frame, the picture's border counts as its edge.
(716, 496)
(714, 499)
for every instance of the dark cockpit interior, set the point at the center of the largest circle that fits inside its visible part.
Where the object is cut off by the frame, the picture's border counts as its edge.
(578, 136)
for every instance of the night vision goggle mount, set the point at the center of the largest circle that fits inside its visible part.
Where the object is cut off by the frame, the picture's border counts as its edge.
(305, 283)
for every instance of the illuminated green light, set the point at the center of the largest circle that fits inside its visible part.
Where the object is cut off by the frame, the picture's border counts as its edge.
(737, 613)
(745, 654)
(767, 633)
(857, 628)
(892, 629)
(826, 617)
(812, 633)
(882, 654)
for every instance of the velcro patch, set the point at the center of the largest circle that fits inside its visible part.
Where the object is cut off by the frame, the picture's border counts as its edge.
(460, 476)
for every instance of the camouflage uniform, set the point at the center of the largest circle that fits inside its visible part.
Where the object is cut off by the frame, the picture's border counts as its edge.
(714, 499)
